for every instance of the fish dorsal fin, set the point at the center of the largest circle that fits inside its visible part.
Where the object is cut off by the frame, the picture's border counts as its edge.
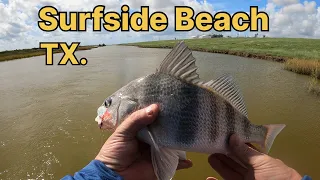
(180, 63)
(226, 86)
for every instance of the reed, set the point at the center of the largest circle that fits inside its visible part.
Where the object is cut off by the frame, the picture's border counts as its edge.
(306, 67)
(314, 86)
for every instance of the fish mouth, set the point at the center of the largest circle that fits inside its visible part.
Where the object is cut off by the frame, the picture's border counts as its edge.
(106, 125)
(105, 121)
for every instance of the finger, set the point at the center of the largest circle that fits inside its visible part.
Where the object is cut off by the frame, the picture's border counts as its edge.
(143, 146)
(146, 154)
(184, 164)
(242, 151)
(232, 164)
(236, 159)
(138, 120)
(211, 178)
(225, 171)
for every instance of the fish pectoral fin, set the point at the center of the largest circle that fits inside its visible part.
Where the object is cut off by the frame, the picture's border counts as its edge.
(273, 131)
(146, 136)
(182, 155)
(226, 87)
(165, 162)
(181, 64)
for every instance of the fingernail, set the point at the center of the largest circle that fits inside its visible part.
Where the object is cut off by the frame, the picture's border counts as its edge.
(149, 110)
(211, 178)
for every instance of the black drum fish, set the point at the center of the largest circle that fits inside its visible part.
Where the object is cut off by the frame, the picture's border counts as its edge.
(194, 116)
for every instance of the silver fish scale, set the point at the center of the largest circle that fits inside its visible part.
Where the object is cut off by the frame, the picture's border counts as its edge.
(192, 118)
(195, 116)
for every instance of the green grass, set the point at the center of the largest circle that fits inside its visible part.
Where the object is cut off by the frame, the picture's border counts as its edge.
(285, 48)
(25, 53)
(277, 49)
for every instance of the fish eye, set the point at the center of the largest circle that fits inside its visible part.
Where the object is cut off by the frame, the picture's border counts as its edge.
(108, 102)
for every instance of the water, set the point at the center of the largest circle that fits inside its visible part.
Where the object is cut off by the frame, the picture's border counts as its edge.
(47, 127)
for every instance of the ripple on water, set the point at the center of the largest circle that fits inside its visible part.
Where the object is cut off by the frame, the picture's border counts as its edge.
(42, 170)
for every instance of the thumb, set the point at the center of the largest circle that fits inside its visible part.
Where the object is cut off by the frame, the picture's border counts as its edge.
(138, 120)
(242, 151)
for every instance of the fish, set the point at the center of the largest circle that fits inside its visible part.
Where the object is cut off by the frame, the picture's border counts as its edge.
(194, 115)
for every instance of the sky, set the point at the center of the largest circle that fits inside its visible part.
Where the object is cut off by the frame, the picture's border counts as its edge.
(19, 29)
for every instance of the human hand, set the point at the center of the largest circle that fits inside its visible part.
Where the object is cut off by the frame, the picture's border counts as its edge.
(127, 156)
(256, 165)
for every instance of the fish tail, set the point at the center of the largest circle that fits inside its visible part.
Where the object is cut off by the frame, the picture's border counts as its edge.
(272, 132)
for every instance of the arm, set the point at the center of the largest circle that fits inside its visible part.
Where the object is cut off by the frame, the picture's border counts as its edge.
(94, 170)
(306, 178)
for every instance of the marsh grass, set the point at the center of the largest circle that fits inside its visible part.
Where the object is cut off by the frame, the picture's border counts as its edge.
(306, 67)
(314, 86)
(311, 68)
(298, 55)
(277, 49)
(25, 53)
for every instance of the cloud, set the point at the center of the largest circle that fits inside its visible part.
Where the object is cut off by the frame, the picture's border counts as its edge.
(294, 19)
(18, 20)
(284, 2)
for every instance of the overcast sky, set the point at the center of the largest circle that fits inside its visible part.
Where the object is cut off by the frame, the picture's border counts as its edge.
(18, 20)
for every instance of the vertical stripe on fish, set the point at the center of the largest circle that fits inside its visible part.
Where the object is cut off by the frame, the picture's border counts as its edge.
(246, 127)
(214, 112)
(230, 117)
(187, 122)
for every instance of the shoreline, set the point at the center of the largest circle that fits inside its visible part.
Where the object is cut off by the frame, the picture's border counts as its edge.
(27, 53)
(301, 65)
(228, 52)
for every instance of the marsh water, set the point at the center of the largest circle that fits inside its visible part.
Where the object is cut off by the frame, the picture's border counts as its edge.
(47, 127)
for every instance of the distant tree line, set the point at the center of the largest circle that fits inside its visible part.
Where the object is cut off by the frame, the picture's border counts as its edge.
(256, 35)
(216, 36)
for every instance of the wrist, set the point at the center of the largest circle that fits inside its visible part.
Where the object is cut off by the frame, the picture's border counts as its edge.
(295, 175)
(109, 162)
